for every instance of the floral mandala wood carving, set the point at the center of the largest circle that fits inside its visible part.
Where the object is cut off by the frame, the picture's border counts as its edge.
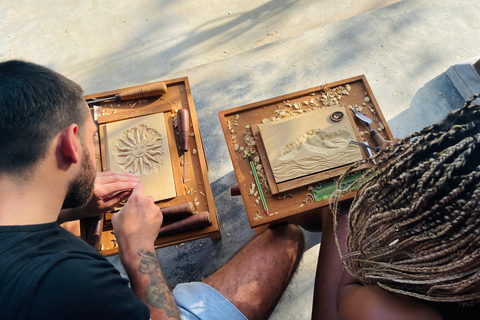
(140, 149)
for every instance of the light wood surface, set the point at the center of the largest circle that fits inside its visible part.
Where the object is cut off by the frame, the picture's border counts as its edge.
(288, 199)
(308, 143)
(140, 146)
(178, 96)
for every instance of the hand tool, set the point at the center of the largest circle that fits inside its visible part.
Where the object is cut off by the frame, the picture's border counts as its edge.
(367, 121)
(364, 145)
(184, 128)
(150, 90)
(370, 153)
(196, 221)
(177, 212)
(235, 190)
(252, 165)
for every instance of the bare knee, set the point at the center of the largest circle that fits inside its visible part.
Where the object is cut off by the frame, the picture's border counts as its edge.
(288, 232)
(290, 237)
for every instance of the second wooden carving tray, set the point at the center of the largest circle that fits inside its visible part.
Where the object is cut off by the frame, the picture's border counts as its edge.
(288, 199)
(197, 187)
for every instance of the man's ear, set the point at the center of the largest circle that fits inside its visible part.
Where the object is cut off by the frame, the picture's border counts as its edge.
(70, 143)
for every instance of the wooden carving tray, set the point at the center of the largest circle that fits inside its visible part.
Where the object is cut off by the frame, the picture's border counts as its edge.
(178, 96)
(289, 198)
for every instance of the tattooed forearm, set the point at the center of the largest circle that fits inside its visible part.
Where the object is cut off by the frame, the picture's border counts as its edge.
(158, 294)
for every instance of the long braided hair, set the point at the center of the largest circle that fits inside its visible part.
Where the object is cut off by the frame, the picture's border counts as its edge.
(414, 224)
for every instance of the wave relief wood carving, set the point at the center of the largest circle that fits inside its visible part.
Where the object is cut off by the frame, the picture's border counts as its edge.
(308, 143)
(140, 145)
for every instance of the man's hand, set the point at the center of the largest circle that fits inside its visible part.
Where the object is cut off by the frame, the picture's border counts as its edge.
(110, 189)
(136, 227)
(138, 223)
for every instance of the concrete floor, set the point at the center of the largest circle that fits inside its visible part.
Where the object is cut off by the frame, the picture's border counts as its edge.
(237, 52)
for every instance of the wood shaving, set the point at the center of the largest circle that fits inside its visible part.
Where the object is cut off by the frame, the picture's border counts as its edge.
(236, 117)
(236, 147)
(194, 151)
(367, 99)
(203, 194)
(309, 199)
(189, 190)
(223, 225)
(251, 190)
(175, 121)
(228, 234)
(196, 203)
(282, 197)
(181, 244)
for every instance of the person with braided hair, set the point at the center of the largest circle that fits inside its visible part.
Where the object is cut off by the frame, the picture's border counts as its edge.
(410, 239)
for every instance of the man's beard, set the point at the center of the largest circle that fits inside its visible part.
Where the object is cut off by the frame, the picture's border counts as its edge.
(80, 190)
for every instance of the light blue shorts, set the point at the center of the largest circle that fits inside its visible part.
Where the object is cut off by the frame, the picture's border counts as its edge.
(199, 301)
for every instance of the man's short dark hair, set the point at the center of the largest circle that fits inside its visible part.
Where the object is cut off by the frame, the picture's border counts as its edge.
(36, 103)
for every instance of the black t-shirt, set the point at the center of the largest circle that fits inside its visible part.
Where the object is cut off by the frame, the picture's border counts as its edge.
(48, 273)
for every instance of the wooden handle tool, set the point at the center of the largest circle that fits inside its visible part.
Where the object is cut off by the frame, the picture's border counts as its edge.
(377, 136)
(149, 90)
(184, 128)
(178, 212)
(196, 221)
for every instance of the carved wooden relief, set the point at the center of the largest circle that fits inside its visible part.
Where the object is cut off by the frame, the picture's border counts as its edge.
(308, 143)
(140, 146)
(140, 149)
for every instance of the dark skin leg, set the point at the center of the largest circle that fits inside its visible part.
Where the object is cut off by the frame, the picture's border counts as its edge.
(254, 279)
(329, 266)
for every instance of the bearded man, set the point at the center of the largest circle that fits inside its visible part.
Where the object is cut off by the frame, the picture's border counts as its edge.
(47, 163)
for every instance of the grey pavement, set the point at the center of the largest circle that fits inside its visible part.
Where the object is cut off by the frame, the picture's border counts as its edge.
(238, 52)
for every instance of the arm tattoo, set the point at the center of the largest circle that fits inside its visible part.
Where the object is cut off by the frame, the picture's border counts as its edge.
(158, 294)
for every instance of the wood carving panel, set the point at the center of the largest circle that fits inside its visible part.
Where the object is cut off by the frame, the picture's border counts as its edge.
(308, 143)
(140, 149)
(140, 146)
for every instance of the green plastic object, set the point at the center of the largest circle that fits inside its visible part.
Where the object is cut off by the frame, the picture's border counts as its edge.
(325, 190)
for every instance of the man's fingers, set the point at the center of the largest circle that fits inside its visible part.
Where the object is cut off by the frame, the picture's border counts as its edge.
(138, 190)
(112, 188)
(119, 197)
(109, 177)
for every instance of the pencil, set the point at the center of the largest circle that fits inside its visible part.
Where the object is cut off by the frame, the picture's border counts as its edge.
(264, 203)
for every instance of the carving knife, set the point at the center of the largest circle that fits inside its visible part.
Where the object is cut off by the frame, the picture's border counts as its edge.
(365, 145)
(370, 153)
(367, 121)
